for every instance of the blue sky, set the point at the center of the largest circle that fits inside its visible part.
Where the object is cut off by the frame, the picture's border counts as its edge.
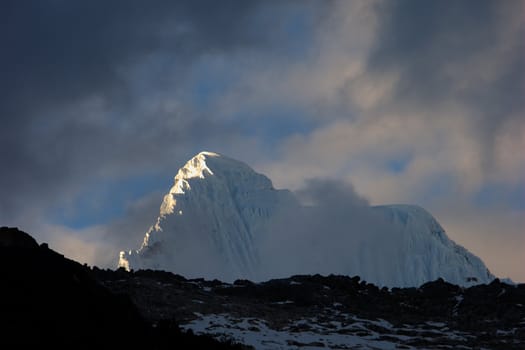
(409, 101)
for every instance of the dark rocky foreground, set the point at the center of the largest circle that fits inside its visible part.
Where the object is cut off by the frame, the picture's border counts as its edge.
(436, 315)
(46, 298)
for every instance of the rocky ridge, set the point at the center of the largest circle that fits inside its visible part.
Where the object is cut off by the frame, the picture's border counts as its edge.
(314, 311)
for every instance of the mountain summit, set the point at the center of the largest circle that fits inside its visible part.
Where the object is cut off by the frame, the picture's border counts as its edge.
(216, 217)
(209, 219)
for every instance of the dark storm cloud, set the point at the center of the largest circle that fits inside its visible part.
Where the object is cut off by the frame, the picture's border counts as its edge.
(60, 50)
(449, 51)
(68, 107)
(95, 92)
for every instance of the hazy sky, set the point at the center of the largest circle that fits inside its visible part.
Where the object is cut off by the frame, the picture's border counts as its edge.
(409, 101)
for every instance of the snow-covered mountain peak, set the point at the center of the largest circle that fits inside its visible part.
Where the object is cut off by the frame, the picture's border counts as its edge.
(215, 168)
(207, 163)
(214, 210)
(221, 219)
(196, 167)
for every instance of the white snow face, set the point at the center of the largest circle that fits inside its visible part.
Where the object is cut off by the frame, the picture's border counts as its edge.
(212, 218)
(209, 219)
(424, 252)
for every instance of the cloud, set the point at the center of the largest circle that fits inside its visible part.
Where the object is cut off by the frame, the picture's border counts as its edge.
(410, 102)
(97, 92)
(98, 245)
(451, 53)
(335, 231)
(431, 114)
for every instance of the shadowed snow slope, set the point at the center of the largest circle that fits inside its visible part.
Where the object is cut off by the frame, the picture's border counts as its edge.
(219, 221)
(425, 253)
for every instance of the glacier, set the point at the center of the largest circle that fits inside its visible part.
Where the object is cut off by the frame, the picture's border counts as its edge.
(213, 218)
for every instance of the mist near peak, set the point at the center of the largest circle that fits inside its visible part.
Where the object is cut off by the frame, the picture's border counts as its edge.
(335, 231)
